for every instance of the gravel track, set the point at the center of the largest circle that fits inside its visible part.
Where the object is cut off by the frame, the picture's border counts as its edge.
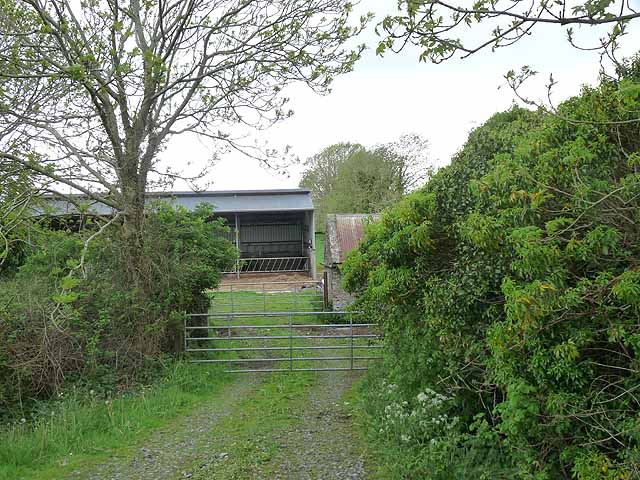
(321, 443)
(318, 443)
(324, 445)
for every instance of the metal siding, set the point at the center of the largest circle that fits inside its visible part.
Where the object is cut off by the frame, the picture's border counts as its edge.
(271, 233)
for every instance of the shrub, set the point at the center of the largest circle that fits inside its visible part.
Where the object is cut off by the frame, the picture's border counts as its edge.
(65, 321)
(508, 285)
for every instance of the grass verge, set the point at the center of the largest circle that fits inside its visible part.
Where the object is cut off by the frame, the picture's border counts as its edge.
(85, 429)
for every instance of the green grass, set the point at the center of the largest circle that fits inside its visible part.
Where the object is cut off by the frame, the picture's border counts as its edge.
(305, 300)
(83, 429)
(254, 425)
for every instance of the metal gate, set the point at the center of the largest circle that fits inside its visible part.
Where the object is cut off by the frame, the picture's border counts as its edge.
(296, 341)
(280, 296)
(270, 265)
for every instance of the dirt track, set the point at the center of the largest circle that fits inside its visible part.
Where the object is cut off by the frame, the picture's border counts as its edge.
(317, 442)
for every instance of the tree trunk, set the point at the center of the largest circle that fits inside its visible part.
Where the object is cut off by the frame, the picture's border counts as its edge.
(133, 236)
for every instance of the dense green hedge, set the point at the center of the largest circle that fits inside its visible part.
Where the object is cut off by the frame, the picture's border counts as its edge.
(509, 292)
(62, 321)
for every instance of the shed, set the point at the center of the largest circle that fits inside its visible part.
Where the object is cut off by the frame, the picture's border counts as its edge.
(344, 232)
(272, 229)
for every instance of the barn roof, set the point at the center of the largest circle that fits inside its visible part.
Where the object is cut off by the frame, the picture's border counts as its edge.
(344, 233)
(224, 201)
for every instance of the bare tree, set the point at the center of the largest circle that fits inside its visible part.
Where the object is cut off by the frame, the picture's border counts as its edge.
(90, 92)
(436, 26)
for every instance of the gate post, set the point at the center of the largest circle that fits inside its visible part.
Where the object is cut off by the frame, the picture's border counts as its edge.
(351, 330)
(325, 292)
(184, 333)
(290, 342)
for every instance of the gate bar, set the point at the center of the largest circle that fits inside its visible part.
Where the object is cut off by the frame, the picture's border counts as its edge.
(270, 314)
(239, 349)
(282, 359)
(299, 325)
(285, 337)
(347, 369)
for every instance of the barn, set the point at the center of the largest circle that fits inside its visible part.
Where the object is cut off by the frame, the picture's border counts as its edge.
(272, 229)
(343, 233)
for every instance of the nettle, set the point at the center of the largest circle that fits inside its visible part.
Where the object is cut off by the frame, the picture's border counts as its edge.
(510, 283)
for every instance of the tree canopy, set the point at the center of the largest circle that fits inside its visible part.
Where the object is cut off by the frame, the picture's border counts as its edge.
(92, 91)
(439, 27)
(348, 178)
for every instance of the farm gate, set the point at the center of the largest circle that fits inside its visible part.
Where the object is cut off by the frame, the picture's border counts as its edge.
(279, 327)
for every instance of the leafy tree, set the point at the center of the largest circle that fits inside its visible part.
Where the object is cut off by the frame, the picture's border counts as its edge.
(321, 173)
(346, 177)
(92, 91)
(509, 285)
(58, 327)
(436, 26)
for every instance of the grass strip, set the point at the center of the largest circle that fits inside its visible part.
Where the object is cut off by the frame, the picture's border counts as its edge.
(84, 429)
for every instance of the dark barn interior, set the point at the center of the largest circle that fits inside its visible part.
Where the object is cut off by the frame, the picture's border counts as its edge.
(272, 229)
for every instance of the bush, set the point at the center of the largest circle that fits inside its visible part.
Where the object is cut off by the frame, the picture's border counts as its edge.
(419, 437)
(509, 284)
(65, 321)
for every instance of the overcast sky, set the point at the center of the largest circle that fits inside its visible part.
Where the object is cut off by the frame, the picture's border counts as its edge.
(385, 97)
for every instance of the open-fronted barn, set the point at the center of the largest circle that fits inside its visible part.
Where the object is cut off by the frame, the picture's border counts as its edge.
(272, 229)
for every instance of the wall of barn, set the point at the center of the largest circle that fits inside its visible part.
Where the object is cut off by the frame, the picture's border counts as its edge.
(339, 298)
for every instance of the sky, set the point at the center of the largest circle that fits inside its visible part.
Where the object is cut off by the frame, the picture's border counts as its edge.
(385, 97)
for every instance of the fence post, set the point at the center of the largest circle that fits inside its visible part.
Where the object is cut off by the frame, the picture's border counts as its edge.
(228, 341)
(290, 342)
(185, 333)
(325, 291)
(351, 330)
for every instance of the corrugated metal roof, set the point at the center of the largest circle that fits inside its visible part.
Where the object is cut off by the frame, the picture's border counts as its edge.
(344, 233)
(230, 201)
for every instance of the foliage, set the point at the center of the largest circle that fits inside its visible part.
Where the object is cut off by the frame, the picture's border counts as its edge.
(416, 436)
(438, 27)
(65, 320)
(509, 285)
(347, 178)
(80, 425)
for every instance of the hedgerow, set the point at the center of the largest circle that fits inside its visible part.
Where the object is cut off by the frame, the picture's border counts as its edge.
(509, 286)
(68, 316)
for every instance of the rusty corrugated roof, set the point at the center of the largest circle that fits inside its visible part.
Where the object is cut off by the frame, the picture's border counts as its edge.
(349, 230)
